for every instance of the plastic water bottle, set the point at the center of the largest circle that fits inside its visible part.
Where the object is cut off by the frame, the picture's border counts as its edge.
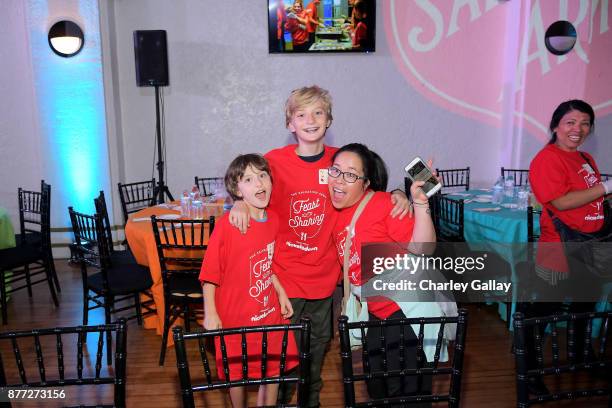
(185, 203)
(523, 197)
(197, 209)
(498, 191)
(227, 203)
(509, 187)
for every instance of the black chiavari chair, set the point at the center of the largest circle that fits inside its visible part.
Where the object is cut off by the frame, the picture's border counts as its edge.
(593, 357)
(448, 218)
(299, 377)
(521, 176)
(181, 245)
(136, 196)
(112, 283)
(88, 372)
(31, 261)
(208, 185)
(454, 179)
(452, 370)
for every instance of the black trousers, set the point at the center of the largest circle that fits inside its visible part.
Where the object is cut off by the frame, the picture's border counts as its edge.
(396, 386)
(318, 310)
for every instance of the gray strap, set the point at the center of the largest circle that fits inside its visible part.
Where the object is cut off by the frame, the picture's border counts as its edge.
(347, 246)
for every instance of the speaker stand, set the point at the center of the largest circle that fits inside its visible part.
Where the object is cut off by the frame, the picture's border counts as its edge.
(161, 190)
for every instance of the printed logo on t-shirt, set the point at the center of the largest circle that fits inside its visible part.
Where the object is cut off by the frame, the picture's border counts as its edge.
(354, 259)
(590, 179)
(323, 176)
(306, 216)
(260, 279)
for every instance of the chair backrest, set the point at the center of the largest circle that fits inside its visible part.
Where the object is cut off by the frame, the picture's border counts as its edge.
(605, 177)
(136, 196)
(521, 176)
(533, 234)
(32, 369)
(92, 246)
(592, 356)
(301, 377)
(181, 245)
(452, 178)
(448, 218)
(453, 369)
(102, 210)
(208, 185)
(35, 214)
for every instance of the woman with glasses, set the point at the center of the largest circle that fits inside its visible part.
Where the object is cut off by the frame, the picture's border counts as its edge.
(355, 171)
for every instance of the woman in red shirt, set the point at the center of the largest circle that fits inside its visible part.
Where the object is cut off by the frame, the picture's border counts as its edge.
(568, 184)
(355, 171)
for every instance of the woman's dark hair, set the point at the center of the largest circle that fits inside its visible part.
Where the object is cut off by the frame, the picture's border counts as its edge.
(565, 107)
(374, 168)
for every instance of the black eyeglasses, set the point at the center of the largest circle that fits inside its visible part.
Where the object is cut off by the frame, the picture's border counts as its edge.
(347, 176)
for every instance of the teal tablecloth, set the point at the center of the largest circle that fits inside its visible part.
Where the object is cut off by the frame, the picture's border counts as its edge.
(495, 231)
(7, 234)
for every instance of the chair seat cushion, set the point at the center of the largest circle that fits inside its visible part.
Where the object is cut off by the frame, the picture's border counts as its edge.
(186, 287)
(122, 280)
(18, 256)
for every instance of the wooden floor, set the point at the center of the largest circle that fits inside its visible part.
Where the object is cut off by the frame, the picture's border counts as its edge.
(488, 380)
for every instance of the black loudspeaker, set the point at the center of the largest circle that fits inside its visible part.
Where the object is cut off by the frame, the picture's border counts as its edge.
(151, 55)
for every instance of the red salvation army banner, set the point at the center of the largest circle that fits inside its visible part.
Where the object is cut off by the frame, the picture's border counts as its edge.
(487, 59)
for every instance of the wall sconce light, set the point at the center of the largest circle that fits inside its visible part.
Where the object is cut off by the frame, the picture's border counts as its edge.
(66, 38)
(560, 37)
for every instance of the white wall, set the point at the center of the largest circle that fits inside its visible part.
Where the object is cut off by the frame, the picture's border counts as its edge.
(20, 152)
(226, 96)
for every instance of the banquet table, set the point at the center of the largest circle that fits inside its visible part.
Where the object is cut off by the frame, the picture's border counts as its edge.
(7, 234)
(140, 237)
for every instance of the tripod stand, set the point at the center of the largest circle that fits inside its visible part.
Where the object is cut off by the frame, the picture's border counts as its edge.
(161, 189)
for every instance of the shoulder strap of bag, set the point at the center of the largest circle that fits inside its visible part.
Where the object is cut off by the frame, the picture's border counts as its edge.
(586, 159)
(347, 246)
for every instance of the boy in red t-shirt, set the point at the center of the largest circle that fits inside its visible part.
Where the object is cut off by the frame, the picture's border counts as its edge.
(238, 281)
(305, 260)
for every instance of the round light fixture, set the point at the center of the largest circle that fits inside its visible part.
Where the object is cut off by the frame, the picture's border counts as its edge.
(560, 37)
(66, 38)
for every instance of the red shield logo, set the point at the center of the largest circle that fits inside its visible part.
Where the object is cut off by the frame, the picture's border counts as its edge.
(486, 59)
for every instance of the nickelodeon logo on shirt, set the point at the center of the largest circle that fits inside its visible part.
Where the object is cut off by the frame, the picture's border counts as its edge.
(590, 179)
(260, 276)
(307, 213)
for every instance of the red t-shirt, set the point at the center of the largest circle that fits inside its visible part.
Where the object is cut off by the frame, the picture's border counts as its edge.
(241, 267)
(374, 225)
(299, 35)
(360, 34)
(304, 261)
(313, 17)
(552, 174)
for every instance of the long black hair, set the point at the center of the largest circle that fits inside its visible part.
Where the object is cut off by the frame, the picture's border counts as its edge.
(374, 168)
(565, 107)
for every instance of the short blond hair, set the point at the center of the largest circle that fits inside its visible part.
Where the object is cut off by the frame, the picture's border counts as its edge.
(307, 95)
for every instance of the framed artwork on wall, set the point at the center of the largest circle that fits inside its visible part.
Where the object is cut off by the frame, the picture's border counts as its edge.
(315, 26)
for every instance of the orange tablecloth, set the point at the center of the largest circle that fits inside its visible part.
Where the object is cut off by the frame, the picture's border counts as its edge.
(140, 237)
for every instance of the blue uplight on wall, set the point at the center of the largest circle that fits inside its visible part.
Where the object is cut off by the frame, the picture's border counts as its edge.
(71, 109)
